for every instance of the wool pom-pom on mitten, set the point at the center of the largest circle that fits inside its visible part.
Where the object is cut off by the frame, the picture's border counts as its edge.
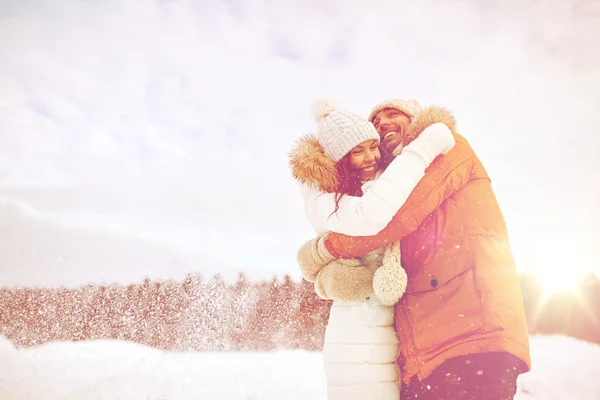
(389, 283)
(390, 280)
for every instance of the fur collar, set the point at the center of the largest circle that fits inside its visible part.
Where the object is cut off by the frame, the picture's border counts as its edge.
(311, 166)
(429, 116)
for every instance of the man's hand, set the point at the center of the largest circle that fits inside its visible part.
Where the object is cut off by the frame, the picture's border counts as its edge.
(312, 257)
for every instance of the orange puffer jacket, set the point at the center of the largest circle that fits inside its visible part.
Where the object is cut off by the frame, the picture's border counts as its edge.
(463, 294)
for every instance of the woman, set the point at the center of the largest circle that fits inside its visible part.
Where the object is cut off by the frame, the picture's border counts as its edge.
(335, 167)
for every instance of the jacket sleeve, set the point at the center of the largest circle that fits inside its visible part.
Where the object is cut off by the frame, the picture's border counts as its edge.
(441, 181)
(369, 214)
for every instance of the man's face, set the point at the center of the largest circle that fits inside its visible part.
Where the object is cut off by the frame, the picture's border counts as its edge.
(392, 126)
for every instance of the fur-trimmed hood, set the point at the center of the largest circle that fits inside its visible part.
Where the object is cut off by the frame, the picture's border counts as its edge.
(311, 166)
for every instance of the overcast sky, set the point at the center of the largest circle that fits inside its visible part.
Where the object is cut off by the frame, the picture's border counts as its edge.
(169, 121)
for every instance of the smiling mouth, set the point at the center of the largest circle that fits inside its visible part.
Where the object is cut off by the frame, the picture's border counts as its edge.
(390, 133)
(369, 169)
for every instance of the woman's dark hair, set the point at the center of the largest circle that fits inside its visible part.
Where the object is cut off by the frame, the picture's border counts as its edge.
(349, 181)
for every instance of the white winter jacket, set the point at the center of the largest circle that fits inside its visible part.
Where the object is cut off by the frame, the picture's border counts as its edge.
(360, 352)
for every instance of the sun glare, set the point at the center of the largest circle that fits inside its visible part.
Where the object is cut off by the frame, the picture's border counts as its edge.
(559, 276)
(559, 281)
(560, 266)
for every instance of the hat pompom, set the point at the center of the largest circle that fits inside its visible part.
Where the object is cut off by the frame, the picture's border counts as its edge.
(322, 107)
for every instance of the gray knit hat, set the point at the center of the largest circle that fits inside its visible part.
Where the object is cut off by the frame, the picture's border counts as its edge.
(340, 131)
(409, 107)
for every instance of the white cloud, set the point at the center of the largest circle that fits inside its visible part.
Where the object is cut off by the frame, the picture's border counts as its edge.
(203, 100)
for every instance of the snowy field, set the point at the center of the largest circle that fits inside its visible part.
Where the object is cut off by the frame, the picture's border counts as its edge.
(564, 368)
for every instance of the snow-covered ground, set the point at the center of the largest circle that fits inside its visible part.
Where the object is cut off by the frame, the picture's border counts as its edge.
(564, 368)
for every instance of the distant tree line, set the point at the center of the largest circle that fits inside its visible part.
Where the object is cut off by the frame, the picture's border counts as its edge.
(196, 314)
(212, 315)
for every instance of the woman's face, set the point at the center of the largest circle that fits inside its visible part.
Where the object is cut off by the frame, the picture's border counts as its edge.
(364, 160)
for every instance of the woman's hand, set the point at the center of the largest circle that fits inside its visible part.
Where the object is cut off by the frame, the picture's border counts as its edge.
(344, 280)
(312, 257)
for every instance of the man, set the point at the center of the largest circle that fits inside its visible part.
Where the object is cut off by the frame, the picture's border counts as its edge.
(461, 322)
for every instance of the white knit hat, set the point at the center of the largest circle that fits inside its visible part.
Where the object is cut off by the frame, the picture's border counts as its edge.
(340, 131)
(409, 107)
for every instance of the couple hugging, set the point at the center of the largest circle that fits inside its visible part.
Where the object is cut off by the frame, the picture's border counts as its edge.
(414, 253)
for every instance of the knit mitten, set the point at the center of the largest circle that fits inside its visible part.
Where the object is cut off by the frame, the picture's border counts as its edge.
(344, 280)
(312, 256)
